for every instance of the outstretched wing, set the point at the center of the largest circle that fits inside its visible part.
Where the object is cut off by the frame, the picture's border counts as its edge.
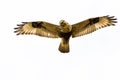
(92, 24)
(39, 28)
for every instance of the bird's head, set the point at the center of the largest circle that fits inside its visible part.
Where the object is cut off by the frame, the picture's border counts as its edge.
(63, 23)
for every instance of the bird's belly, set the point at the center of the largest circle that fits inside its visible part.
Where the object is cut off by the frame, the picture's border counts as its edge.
(65, 35)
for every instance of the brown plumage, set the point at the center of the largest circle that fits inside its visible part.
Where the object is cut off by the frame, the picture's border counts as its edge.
(65, 30)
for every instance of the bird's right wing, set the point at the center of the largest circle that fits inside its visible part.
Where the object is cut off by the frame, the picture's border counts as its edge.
(39, 28)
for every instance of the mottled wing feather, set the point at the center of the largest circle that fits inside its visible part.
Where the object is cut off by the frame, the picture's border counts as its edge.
(91, 25)
(39, 28)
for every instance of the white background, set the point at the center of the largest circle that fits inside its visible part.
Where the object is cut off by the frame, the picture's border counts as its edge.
(92, 57)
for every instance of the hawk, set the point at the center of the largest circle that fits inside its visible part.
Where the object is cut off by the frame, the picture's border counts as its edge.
(64, 30)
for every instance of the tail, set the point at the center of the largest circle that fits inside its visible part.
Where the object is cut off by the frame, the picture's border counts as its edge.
(64, 46)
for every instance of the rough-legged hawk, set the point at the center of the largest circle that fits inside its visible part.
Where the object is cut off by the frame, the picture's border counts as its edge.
(65, 30)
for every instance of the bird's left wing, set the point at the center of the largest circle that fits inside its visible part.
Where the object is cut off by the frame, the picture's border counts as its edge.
(39, 28)
(91, 25)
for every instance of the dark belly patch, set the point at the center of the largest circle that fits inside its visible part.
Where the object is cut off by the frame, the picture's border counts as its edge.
(65, 35)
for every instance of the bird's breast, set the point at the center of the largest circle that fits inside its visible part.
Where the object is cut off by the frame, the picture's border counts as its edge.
(66, 28)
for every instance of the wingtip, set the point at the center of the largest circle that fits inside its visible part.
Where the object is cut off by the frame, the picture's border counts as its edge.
(114, 21)
(107, 15)
(113, 24)
(20, 24)
(15, 31)
(24, 22)
(112, 18)
(18, 34)
(16, 28)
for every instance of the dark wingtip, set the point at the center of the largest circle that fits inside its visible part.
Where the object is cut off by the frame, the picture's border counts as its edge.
(107, 15)
(24, 22)
(113, 24)
(15, 31)
(18, 34)
(112, 19)
(16, 28)
(19, 27)
(20, 24)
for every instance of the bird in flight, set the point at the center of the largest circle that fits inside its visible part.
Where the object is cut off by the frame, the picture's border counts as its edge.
(65, 30)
